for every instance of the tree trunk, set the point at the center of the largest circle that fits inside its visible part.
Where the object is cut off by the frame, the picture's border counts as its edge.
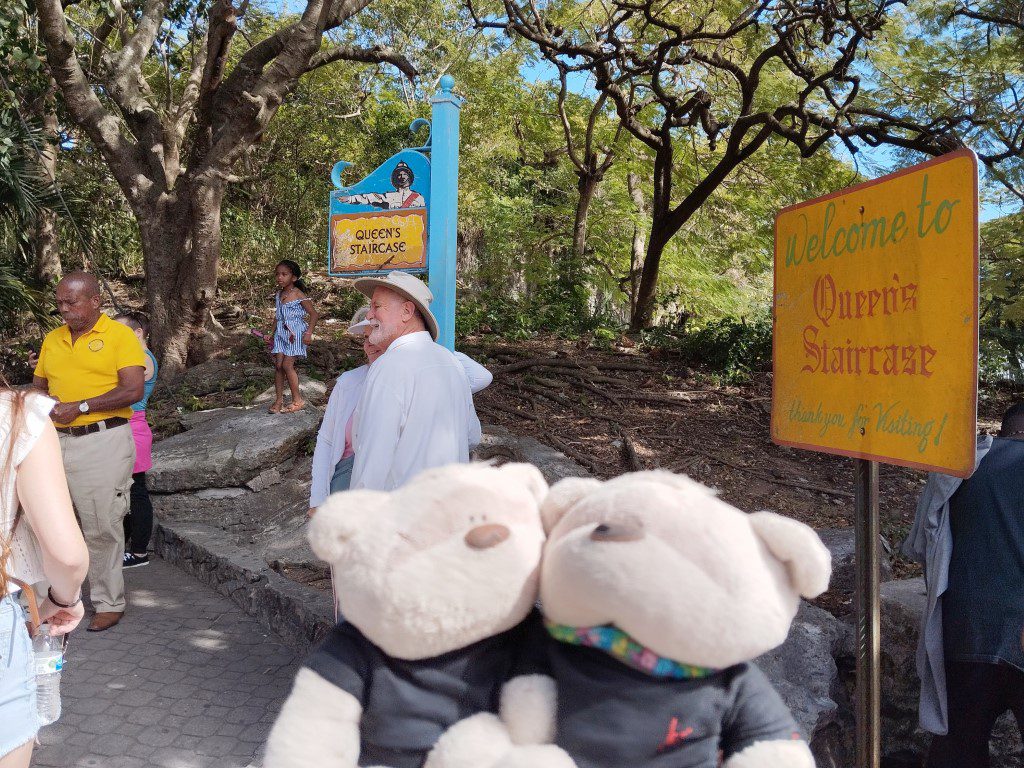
(468, 246)
(47, 268)
(180, 236)
(570, 265)
(647, 291)
(639, 245)
(587, 187)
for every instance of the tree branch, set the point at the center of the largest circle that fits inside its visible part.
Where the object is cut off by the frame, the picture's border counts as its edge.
(84, 106)
(378, 54)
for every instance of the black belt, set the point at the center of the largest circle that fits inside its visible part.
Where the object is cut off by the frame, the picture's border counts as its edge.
(88, 429)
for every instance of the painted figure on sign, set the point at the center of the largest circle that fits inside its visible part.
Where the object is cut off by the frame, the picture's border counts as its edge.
(403, 196)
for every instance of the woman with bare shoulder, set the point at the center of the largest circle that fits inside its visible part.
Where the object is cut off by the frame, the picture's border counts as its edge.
(39, 539)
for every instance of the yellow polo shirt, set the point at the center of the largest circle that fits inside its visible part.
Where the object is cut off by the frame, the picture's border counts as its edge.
(88, 368)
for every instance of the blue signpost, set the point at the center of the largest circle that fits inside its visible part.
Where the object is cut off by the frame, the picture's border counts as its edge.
(404, 215)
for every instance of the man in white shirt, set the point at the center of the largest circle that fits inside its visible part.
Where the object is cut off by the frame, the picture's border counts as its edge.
(416, 409)
(334, 456)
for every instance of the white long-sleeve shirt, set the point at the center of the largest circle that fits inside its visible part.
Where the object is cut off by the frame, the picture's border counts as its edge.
(415, 412)
(330, 440)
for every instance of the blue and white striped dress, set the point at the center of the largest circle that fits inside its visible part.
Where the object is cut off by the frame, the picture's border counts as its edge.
(291, 320)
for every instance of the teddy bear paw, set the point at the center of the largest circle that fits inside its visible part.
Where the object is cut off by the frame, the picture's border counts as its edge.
(479, 741)
(536, 756)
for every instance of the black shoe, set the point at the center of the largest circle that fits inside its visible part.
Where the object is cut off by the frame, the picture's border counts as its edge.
(134, 561)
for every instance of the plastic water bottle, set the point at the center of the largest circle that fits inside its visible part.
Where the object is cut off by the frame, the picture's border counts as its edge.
(49, 658)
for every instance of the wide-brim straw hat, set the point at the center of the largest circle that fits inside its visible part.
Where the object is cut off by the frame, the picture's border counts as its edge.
(408, 287)
(358, 324)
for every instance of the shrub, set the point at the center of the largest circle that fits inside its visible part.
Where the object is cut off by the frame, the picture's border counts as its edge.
(735, 348)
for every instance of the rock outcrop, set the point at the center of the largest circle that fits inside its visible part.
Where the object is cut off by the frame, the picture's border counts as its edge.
(229, 447)
(804, 672)
(842, 543)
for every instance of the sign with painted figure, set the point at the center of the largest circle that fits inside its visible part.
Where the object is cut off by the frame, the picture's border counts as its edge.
(380, 223)
(404, 215)
(876, 319)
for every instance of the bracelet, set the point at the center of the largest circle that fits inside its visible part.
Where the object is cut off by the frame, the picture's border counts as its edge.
(55, 601)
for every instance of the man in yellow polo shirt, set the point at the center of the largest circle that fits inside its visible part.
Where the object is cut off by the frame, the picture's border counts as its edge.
(95, 368)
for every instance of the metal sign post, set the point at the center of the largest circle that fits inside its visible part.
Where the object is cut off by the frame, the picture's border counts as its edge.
(868, 697)
(444, 194)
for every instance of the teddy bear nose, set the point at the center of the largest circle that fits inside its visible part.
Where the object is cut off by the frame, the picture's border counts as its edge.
(487, 536)
(617, 532)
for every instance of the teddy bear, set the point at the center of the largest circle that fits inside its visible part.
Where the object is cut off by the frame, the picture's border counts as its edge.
(657, 595)
(436, 582)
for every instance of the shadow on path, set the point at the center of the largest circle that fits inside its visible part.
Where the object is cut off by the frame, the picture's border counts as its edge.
(186, 680)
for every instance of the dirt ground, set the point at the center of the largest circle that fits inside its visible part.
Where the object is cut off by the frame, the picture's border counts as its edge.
(620, 410)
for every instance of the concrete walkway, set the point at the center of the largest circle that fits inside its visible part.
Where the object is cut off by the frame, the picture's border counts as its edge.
(186, 680)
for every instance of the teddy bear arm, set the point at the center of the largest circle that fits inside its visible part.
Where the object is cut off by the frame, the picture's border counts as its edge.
(318, 726)
(777, 753)
(528, 705)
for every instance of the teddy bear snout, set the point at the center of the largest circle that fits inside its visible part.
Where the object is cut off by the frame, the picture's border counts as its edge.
(487, 536)
(617, 532)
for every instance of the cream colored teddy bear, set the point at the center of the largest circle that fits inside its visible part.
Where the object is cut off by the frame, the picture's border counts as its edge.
(657, 595)
(437, 582)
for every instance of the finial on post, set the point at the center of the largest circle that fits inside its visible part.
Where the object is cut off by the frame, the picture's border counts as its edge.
(447, 84)
(336, 171)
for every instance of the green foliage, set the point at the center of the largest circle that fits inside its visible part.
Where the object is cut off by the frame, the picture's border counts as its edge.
(24, 192)
(551, 310)
(18, 300)
(733, 348)
(1001, 300)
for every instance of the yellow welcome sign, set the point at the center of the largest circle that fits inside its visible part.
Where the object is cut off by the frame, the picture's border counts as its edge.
(876, 319)
(378, 241)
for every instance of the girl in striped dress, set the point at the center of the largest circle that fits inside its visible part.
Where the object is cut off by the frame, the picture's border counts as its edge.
(294, 330)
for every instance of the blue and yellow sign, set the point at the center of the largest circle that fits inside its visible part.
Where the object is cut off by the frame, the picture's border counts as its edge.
(380, 223)
(404, 215)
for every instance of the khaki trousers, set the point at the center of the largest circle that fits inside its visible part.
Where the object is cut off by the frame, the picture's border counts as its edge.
(99, 470)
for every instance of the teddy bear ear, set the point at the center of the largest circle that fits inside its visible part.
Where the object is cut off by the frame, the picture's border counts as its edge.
(339, 519)
(807, 560)
(562, 496)
(528, 475)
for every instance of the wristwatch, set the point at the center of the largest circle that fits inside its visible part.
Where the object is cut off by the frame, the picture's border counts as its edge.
(83, 406)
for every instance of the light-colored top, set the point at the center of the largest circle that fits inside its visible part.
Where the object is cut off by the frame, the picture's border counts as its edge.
(26, 560)
(330, 440)
(333, 439)
(149, 385)
(88, 368)
(930, 543)
(415, 412)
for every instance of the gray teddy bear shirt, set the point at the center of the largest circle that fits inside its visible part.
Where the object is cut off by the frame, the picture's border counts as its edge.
(407, 705)
(613, 716)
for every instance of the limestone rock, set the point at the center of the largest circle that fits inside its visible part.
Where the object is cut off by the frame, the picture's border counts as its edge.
(229, 447)
(313, 391)
(500, 443)
(264, 480)
(903, 604)
(219, 375)
(842, 543)
(804, 672)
